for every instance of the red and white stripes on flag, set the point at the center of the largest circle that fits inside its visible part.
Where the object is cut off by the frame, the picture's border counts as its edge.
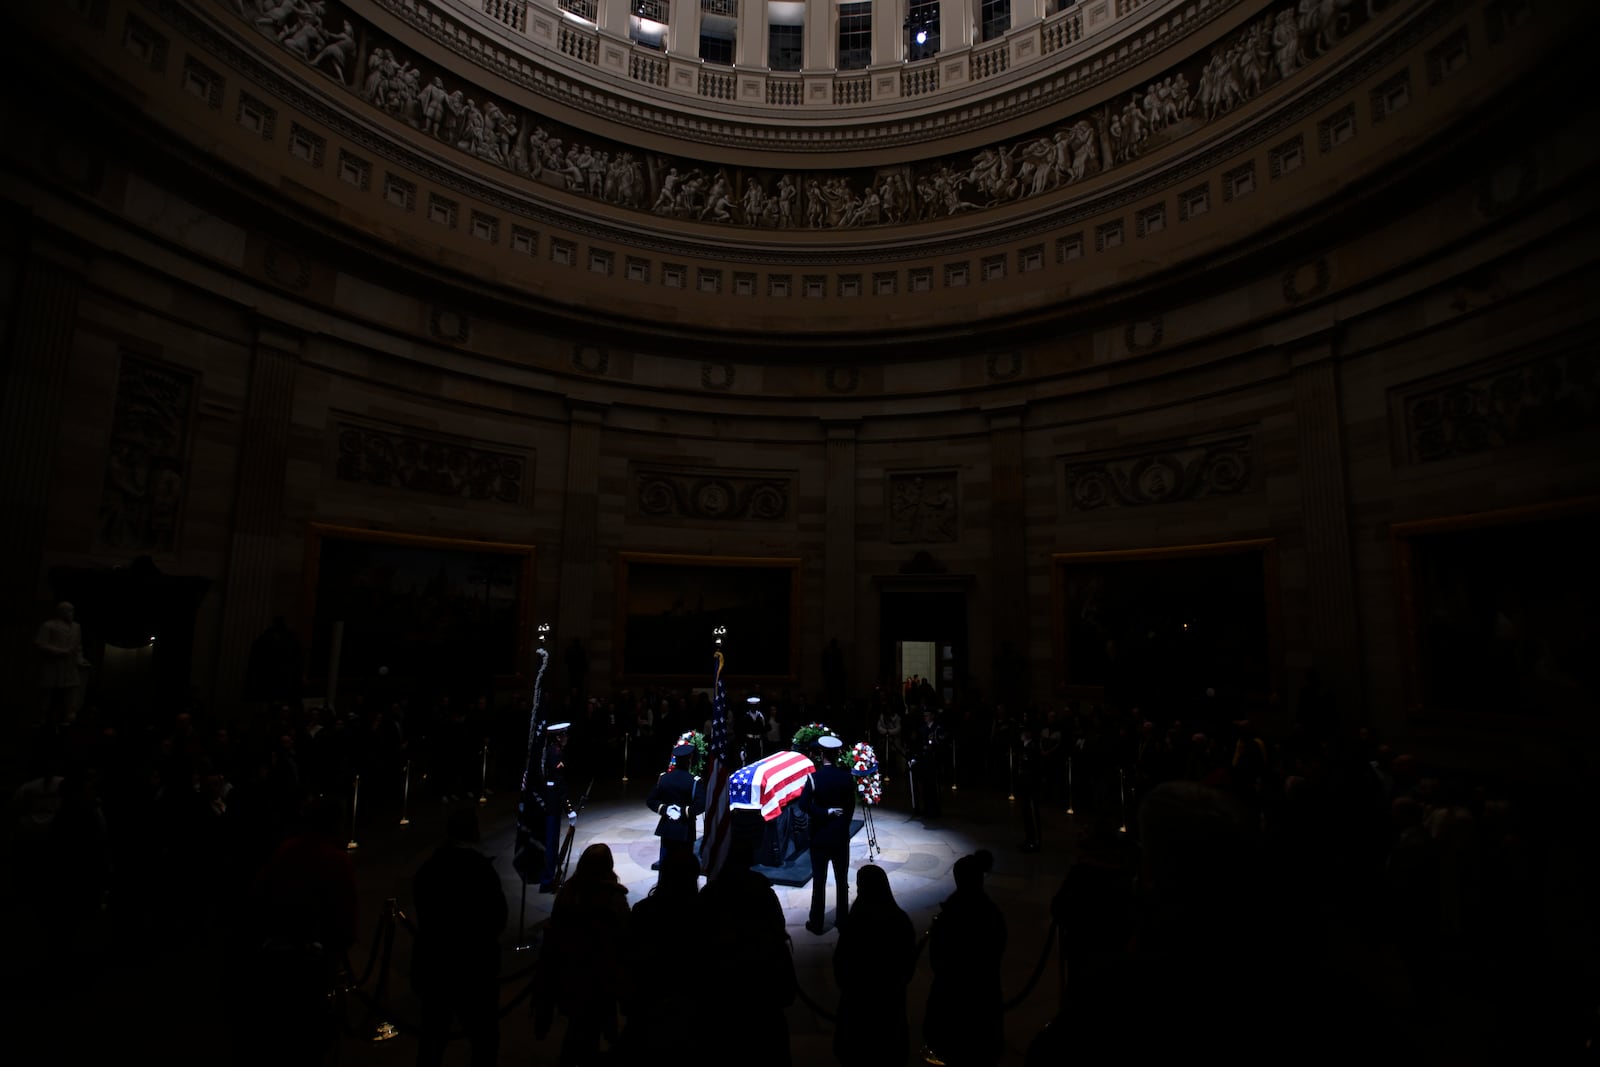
(719, 820)
(770, 783)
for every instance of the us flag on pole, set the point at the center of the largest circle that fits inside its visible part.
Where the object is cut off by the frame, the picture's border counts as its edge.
(719, 823)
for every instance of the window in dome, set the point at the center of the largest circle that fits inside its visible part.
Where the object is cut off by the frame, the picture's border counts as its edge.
(256, 116)
(145, 44)
(708, 281)
(744, 284)
(1448, 57)
(583, 9)
(305, 145)
(648, 24)
(1151, 220)
(920, 279)
(441, 210)
(1069, 248)
(1196, 201)
(672, 275)
(201, 81)
(1030, 259)
(885, 283)
(956, 275)
(1240, 181)
(524, 241)
(994, 267)
(855, 36)
(780, 286)
(1337, 128)
(1108, 235)
(399, 192)
(1392, 94)
(353, 170)
(922, 29)
(600, 261)
(849, 285)
(815, 286)
(996, 19)
(718, 37)
(1288, 157)
(638, 270)
(785, 45)
(563, 253)
(485, 227)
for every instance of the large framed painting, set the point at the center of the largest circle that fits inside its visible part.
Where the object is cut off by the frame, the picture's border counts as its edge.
(438, 613)
(667, 607)
(1498, 614)
(1157, 627)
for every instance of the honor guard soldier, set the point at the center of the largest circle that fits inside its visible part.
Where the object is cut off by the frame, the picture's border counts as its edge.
(829, 800)
(678, 796)
(545, 804)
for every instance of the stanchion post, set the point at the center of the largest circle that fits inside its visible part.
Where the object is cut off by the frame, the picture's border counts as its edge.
(955, 771)
(382, 1029)
(483, 774)
(624, 757)
(405, 796)
(355, 800)
(1011, 773)
(1069, 785)
(1122, 790)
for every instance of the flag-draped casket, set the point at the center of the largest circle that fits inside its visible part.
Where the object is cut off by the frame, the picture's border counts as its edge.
(768, 784)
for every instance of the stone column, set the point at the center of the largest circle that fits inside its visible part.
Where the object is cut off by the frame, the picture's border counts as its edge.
(614, 17)
(750, 49)
(888, 31)
(683, 29)
(1334, 624)
(821, 52)
(34, 377)
(580, 528)
(248, 601)
(956, 21)
(1008, 568)
(839, 594)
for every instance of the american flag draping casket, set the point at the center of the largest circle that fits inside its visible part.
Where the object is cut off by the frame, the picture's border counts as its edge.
(770, 783)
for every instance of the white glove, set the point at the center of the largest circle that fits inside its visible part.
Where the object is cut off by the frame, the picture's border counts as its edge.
(835, 811)
(572, 817)
(674, 812)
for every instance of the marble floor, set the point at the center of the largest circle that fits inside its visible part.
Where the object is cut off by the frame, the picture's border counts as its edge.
(917, 853)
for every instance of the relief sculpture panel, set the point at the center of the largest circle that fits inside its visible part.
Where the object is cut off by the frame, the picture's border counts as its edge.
(1535, 399)
(923, 507)
(141, 497)
(1181, 470)
(405, 459)
(711, 495)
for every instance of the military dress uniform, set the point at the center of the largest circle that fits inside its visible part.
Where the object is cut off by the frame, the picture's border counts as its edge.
(829, 801)
(678, 796)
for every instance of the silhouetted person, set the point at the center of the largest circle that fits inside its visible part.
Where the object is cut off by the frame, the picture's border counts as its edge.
(305, 900)
(455, 962)
(744, 936)
(1026, 781)
(829, 800)
(580, 963)
(663, 964)
(927, 752)
(965, 1019)
(872, 965)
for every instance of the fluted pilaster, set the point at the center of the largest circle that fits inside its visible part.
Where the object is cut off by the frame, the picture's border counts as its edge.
(249, 602)
(44, 318)
(1334, 626)
(839, 593)
(580, 524)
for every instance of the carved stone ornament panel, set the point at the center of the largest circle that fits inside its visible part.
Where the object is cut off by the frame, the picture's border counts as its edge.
(146, 475)
(923, 506)
(396, 458)
(711, 495)
(1176, 471)
(1538, 398)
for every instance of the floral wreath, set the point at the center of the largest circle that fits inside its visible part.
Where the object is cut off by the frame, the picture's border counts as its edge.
(805, 738)
(864, 766)
(697, 764)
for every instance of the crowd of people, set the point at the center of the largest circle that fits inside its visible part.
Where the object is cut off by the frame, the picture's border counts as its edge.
(1219, 873)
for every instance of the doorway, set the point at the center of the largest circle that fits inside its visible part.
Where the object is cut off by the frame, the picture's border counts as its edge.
(924, 633)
